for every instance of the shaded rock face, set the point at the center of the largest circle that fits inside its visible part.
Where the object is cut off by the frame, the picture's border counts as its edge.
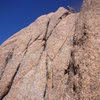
(55, 58)
(86, 52)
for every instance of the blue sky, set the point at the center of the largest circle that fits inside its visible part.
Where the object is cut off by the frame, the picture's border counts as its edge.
(17, 14)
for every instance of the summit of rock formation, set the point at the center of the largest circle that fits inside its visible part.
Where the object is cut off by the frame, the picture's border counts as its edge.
(57, 57)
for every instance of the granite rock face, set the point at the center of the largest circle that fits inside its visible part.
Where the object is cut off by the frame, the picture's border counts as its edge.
(86, 52)
(55, 58)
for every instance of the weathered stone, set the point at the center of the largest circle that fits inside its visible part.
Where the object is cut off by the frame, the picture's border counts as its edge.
(55, 58)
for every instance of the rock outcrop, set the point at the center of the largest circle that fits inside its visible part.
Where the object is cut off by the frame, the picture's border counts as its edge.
(55, 58)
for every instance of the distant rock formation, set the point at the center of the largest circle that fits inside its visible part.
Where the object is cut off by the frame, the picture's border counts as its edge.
(55, 58)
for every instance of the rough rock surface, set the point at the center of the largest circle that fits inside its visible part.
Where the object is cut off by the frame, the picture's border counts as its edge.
(55, 58)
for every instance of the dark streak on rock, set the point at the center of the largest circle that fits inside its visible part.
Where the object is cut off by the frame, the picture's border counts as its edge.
(82, 38)
(45, 91)
(47, 76)
(45, 37)
(37, 38)
(75, 83)
(26, 49)
(8, 58)
(10, 83)
(63, 16)
(72, 68)
(74, 87)
(30, 43)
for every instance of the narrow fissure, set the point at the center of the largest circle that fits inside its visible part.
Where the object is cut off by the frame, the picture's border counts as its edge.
(73, 71)
(29, 43)
(47, 76)
(71, 68)
(8, 58)
(45, 91)
(26, 49)
(63, 16)
(10, 83)
(52, 85)
(44, 47)
(45, 37)
(82, 39)
(74, 87)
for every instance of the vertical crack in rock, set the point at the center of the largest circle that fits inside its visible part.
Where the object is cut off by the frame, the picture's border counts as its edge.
(26, 49)
(64, 43)
(74, 87)
(59, 20)
(46, 85)
(73, 70)
(8, 58)
(44, 44)
(45, 37)
(46, 91)
(30, 43)
(52, 84)
(83, 37)
(72, 83)
(51, 60)
(10, 83)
